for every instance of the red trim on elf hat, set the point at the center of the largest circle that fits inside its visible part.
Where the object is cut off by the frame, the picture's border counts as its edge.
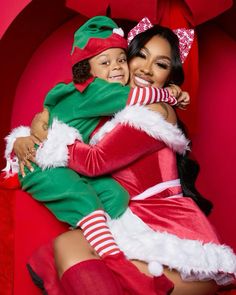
(96, 46)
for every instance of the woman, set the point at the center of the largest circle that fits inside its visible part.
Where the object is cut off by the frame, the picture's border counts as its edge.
(153, 60)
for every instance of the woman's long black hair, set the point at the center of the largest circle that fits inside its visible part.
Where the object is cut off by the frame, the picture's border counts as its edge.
(188, 168)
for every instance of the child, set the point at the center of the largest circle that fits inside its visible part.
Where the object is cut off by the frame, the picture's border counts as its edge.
(79, 105)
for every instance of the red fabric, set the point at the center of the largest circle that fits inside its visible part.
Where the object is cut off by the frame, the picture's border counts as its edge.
(9, 9)
(135, 282)
(42, 263)
(11, 182)
(94, 8)
(112, 152)
(184, 219)
(90, 277)
(95, 46)
(214, 144)
(196, 12)
(7, 205)
(201, 10)
(34, 226)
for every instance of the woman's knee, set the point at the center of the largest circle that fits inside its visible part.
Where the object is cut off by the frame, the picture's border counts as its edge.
(71, 248)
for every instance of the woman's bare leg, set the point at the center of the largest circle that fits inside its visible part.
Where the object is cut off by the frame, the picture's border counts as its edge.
(71, 248)
(181, 287)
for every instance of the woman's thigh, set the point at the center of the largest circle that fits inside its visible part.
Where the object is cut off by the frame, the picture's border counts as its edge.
(182, 287)
(71, 248)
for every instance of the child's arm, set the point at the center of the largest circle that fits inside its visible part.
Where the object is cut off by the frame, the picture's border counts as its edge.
(101, 98)
(183, 100)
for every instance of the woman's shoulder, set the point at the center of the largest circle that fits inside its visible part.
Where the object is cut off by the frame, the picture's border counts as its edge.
(165, 110)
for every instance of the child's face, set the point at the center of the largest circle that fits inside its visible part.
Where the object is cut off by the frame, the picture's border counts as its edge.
(110, 65)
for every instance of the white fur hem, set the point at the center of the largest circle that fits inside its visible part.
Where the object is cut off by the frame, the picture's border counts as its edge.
(54, 151)
(150, 122)
(194, 259)
(12, 161)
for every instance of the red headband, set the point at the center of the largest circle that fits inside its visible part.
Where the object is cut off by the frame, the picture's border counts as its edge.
(185, 36)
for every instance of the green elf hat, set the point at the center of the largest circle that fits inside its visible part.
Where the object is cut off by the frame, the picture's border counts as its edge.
(96, 35)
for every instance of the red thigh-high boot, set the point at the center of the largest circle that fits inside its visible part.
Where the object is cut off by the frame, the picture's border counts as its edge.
(97, 233)
(90, 277)
(135, 282)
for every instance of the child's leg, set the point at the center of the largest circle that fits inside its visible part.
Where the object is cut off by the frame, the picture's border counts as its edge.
(67, 195)
(113, 196)
(71, 199)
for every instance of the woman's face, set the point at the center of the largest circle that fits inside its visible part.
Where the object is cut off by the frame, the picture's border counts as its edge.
(152, 66)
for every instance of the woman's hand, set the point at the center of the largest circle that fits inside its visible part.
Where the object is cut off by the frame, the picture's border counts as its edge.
(24, 149)
(39, 125)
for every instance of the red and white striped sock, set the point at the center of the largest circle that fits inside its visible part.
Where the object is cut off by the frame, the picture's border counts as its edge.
(98, 234)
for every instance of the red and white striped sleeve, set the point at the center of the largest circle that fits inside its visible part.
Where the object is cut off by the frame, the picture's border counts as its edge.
(149, 95)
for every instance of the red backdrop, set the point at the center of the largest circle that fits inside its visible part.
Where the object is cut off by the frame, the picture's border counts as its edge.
(34, 49)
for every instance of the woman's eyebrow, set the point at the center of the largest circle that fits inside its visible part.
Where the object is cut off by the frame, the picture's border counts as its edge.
(164, 57)
(159, 56)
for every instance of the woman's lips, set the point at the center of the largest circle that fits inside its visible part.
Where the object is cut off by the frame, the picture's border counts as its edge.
(141, 82)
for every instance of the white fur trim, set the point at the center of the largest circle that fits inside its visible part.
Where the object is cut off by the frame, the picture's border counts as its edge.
(194, 259)
(150, 122)
(119, 32)
(54, 152)
(12, 161)
(155, 268)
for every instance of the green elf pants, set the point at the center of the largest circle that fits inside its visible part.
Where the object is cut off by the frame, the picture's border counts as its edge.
(70, 196)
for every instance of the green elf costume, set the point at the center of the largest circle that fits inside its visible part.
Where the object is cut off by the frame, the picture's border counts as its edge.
(75, 111)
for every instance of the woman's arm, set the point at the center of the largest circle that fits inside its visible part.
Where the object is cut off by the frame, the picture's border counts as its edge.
(123, 145)
(136, 132)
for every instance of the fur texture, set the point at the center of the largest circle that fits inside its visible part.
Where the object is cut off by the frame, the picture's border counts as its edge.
(54, 152)
(12, 165)
(150, 122)
(195, 261)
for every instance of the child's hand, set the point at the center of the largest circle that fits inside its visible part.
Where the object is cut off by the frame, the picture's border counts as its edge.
(183, 100)
(174, 90)
(25, 151)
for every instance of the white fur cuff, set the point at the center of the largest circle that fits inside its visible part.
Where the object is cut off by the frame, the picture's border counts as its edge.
(12, 161)
(54, 152)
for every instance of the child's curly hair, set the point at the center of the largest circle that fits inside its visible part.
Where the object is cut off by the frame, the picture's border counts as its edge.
(81, 71)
